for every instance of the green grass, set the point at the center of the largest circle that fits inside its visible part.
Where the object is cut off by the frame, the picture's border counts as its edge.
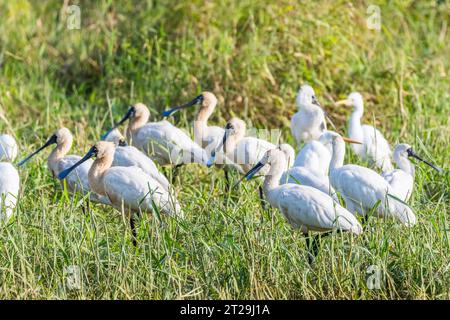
(253, 56)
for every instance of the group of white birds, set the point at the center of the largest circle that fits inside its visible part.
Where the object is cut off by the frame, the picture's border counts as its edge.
(304, 187)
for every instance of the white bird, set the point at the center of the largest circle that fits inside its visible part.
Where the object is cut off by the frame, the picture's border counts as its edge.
(304, 207)
(58, 160)
(314, 156)
(208, 137)
(245, 152)
(311, 167)
(129, 189)
(9, 189)
(363, 189)
(161, 141)
(374, 148)
(309, 122)
(129, 156)
(8, 148)
(401, 180)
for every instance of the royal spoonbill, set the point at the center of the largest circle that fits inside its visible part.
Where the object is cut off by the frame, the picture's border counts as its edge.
(58, 160)
(161, 141)
(363, 189)
(309, 122)
(129, 156)
(8, 148)
(129, 189)
(208, 137)
(401, 180)
(374, 148)
(304, 207)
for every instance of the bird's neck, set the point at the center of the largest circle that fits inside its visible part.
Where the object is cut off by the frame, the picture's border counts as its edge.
(338, 154)
(231, 144)
(201, 122)
(405, 165)
(273, 177)
(136, 123)
(57, 154)
(354, 127)
(97, 172)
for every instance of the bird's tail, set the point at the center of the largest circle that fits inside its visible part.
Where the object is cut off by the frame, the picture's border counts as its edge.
(401, 211)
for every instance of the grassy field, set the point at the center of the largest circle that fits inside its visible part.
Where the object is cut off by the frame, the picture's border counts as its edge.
(253, 55)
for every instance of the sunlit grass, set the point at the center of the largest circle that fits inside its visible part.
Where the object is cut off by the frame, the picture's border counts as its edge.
(253, 56)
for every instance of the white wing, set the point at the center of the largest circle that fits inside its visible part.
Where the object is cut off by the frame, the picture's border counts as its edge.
(167, 144)
(8, 148)
(130, 156)
(362, 188)
(249, 151)
(401, 183)
(314, 156)
(9, 188)
(377, 148)
(302, 176)
(135, 190)
(310, 209)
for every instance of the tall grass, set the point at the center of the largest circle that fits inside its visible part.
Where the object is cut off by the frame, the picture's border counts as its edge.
(253, 55)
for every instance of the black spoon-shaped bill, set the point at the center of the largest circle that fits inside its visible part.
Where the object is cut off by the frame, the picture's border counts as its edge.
(52, 140)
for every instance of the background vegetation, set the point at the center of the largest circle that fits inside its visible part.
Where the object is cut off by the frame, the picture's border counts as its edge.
(253, 55)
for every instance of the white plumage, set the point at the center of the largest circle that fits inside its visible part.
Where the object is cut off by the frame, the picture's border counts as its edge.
(8, 148)
(9, 189)
(305, 208)
(129, 188)
(309, 122)
(363, 188)
(130, 156)
(58, 160)
(244, 151)
(311, 166)
(161, 141)
(401, 180)
(374, 148)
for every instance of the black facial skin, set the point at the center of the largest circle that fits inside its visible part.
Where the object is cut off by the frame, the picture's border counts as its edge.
(122, 143)
(412, 154)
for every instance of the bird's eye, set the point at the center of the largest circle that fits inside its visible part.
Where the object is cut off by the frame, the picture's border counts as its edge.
(229, 126)
(409, 151)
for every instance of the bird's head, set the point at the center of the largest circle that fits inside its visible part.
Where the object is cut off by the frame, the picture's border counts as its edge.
(354, 100)
(206, 99)
(405, 151)
(61, 137)
(101, 150)
(306, 96)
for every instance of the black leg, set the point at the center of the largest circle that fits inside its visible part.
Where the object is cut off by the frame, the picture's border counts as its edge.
(261, 198)
(365, 221)
(133, 230)
(175, 171)
(313, 245)
(227, 180)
